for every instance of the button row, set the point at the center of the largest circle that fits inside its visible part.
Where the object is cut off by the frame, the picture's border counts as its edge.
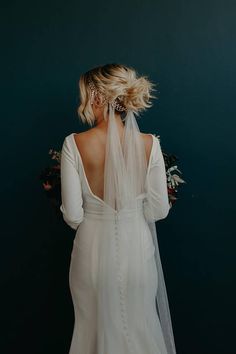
(121, 290)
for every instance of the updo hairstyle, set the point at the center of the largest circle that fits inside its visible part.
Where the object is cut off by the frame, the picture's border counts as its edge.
(115, 82)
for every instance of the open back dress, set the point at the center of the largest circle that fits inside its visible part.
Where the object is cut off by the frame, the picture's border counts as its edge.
(128, 329)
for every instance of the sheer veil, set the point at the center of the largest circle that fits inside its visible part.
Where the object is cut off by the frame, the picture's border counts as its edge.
(122, 268)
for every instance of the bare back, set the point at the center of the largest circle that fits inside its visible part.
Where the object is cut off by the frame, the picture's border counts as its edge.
(91, 146)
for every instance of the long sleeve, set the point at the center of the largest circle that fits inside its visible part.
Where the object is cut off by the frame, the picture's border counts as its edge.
(71, 194)
(156, 202)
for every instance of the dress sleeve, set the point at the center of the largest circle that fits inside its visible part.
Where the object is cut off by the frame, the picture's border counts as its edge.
(156, 202)
(71, 195)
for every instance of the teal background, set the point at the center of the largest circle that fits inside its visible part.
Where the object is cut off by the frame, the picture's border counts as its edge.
(188, 48)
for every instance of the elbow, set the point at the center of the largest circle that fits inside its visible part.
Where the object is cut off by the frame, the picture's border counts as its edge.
(73, 221)
(74, 224)
(163, 211)
(154, 212)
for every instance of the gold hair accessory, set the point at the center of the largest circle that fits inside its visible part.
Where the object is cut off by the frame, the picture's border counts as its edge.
(115, 104)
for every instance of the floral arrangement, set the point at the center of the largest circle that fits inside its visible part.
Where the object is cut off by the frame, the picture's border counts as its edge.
(172, 175)
(50, 177)
(51, 180)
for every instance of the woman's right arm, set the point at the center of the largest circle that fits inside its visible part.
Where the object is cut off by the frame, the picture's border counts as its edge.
(71, 192)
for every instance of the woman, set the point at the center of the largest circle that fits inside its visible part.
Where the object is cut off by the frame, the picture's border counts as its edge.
(113, 185)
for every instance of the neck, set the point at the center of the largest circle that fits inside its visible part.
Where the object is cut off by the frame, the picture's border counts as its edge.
(102, 123)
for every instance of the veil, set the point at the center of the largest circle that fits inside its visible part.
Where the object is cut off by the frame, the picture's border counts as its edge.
(124, 250)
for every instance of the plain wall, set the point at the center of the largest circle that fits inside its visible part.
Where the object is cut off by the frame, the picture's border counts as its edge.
(188, 48)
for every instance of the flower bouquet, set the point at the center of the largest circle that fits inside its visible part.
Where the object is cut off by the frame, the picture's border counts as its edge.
(50, 177)
(51, 180)
(173, 174)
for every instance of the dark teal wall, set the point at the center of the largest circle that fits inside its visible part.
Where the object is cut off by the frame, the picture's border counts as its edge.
(188, 47)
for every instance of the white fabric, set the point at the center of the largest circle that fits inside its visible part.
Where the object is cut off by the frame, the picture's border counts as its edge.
(115, 272)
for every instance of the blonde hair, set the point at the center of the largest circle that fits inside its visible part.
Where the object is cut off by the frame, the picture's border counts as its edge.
(112, 81)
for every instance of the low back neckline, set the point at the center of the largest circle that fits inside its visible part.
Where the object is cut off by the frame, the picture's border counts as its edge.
(72, 135)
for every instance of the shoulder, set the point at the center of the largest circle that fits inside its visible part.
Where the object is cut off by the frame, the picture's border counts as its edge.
(87, 143)
(148, 137)
(67, 149)
(72, 139)
(150, 141)
(83, 136)
(69, 145)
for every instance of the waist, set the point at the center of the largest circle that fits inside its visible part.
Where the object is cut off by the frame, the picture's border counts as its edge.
(96, 211)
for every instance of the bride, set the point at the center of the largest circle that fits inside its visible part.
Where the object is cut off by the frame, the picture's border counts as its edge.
(113, 189)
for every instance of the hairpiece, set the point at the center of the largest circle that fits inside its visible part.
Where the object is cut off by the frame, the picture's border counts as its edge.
(115, 104)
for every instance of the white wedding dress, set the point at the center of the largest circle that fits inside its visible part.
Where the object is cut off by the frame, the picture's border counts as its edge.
(105, 328)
